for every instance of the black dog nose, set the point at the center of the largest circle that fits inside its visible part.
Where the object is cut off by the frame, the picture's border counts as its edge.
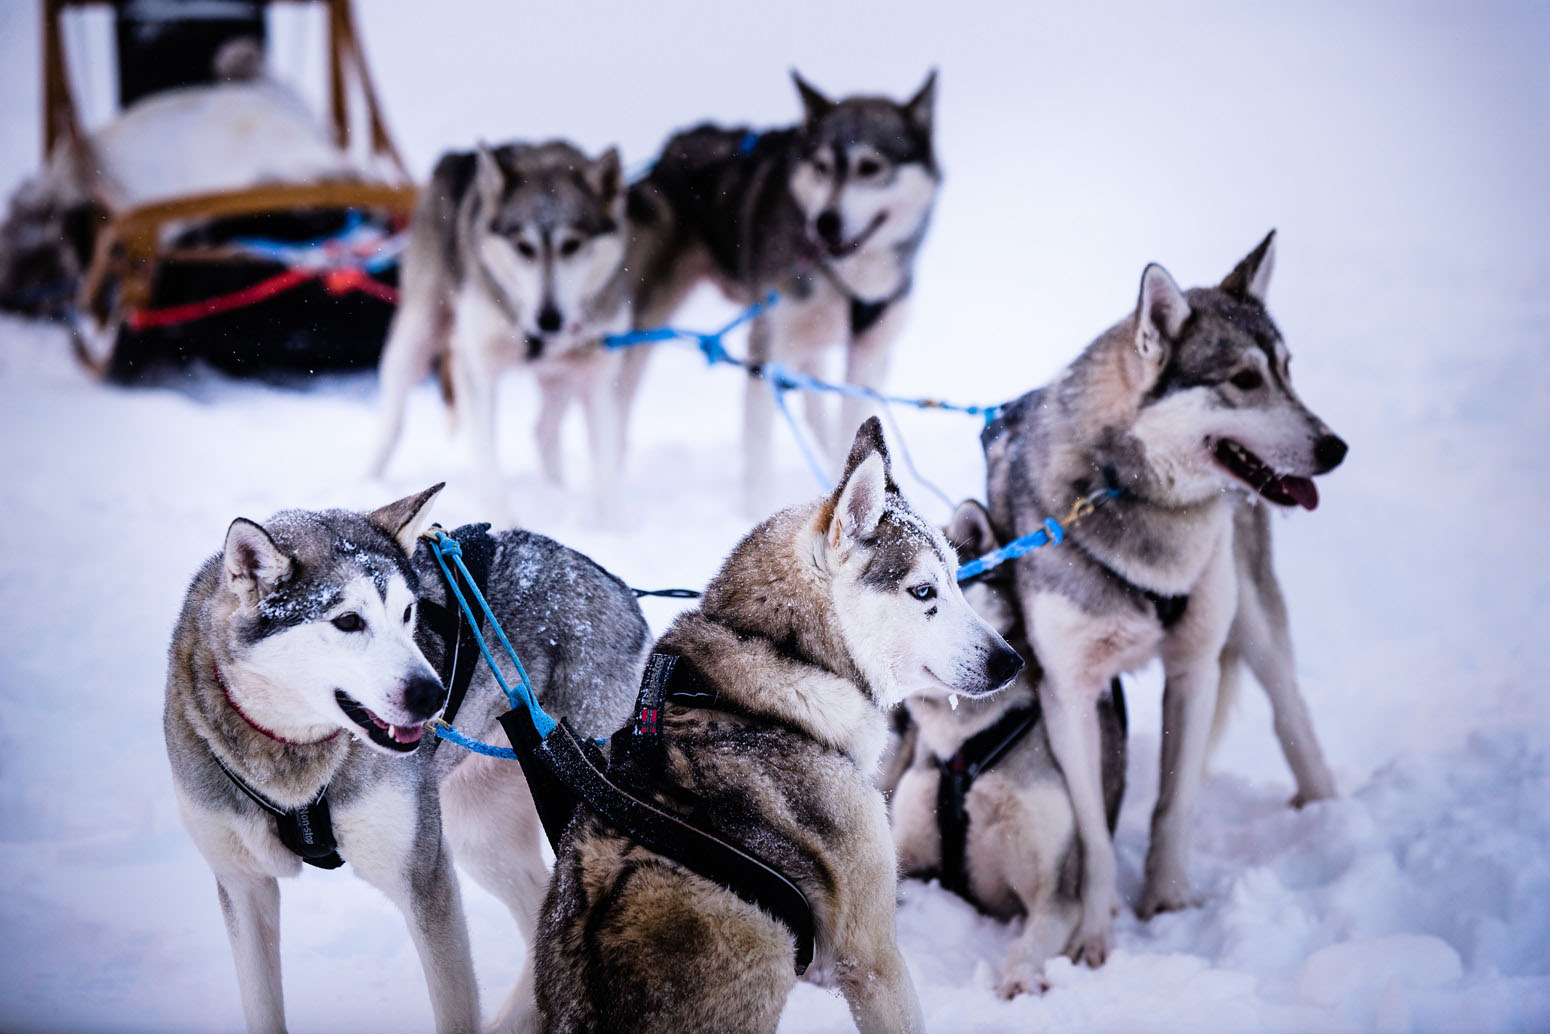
(549, 319)
(828, 226)
(1003, 666)
(1328, 451)
(423, 696)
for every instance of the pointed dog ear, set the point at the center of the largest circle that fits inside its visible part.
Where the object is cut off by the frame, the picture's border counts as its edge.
(487, 173)
(814, 104)
(254, 564)
(862, 494)
(606, 177)
(922, 106)
(406, 518)
(1160, 314)
(969, 530)
(1251, 277)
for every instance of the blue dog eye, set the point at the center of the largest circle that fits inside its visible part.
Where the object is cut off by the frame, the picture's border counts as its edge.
(924, 592)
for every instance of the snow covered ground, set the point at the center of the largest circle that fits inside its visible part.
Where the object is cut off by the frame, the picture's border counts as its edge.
(1401, 152)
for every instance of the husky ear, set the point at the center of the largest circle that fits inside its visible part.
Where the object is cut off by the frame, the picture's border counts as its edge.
(814, 104)
(406, 518)
(605, 176)
(969, 530)
(863, 490)
(1160, 314)
(1251, 277)
(487, 173)
(254, 564)
(922, 106)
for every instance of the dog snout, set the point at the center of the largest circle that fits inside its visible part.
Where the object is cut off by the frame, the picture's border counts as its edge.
(1328, 452)
(1002, 666)
(549, 319)
(828, 226)
(423, 696)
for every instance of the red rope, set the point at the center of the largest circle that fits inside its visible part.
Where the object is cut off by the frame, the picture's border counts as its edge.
(337, 281)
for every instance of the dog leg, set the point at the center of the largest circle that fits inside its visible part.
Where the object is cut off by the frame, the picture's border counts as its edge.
(758, 416)
(474, 376)
(495, 837)
(1042, 835)
(554, 395)
(1191, 672)
(251, 907)
(866, 364)
(815, 406)
(419, 330)
(599, 403)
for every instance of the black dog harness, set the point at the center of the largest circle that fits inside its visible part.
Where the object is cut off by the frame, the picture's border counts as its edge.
(976, 756)
(567, 768)
(308, 831)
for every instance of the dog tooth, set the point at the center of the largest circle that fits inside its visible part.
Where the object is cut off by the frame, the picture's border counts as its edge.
(952, 701)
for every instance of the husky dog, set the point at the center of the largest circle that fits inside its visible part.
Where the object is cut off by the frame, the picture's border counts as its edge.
(516, 257)
(823, 617)
(1018, 853)
(829, 213)
(302, 663)
(1186, 405)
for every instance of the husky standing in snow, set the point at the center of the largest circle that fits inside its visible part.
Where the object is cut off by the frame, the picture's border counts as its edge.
(983, 807)
(1186, 406)
(821, 619)
(516, 257)
(829, 213)
(306, 658)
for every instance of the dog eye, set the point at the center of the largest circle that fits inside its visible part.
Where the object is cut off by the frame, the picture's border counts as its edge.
(408, 613)
(868, 167)
(1247, 380)
(821, 166)
(923, 592)
(350, 622)
(569, 247)
(526, 250)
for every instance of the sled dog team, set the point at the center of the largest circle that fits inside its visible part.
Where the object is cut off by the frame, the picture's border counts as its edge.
(813, 719)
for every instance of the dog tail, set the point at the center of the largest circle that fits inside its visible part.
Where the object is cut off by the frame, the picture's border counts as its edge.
(1231, 665)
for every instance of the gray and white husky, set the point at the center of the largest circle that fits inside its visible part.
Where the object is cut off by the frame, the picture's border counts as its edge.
(821, 619)
(1187, 406)
(301, 669)
(516, 257)
(1019, 852)
(829, 213)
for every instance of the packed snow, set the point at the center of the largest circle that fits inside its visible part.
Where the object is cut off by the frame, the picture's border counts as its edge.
(1402, 154)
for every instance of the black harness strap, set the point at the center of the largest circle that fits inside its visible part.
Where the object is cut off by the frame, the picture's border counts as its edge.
(978, 753)
(572, 764)
(307, 831)
(460, 648)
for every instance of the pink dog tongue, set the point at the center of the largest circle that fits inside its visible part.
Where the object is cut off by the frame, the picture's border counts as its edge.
(1303, 490)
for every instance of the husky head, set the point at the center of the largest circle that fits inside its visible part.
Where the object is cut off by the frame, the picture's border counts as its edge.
(893, 583)
(552, 235)
(320, 633)
(990, 594)
(866, 173)
(1217, 410)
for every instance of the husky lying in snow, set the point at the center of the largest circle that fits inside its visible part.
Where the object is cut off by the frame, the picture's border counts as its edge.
(517, 257)
(301, 670)
(830, 213)
(823, 617)
(1011, 850)
(1187, 406)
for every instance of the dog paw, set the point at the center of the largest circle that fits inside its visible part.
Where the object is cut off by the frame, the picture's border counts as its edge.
(1022, 981)
(1089, 946)
(1166, 896)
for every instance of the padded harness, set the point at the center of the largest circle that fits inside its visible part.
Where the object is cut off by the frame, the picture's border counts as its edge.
(567, 769)
(308, 831)
(978, 754)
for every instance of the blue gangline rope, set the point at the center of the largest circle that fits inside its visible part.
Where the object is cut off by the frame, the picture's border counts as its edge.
(1051, 532)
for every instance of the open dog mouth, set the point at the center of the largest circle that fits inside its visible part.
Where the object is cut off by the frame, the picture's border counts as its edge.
(1285, 489)
(840, 249)
(402, 738)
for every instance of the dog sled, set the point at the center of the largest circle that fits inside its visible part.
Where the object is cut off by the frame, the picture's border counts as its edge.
(215, 216)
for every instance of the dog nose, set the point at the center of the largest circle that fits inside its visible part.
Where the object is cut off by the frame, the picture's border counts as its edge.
(1003, 666)
(1328, 451)
(828, 226)
(423, 696)
(549, 319)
